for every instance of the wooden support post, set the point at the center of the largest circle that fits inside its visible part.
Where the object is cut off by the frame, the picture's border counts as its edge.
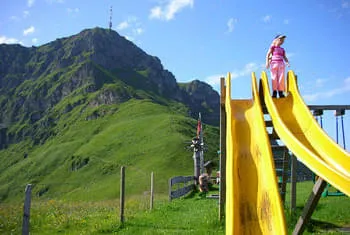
(152, 191)
(26, 210)
(310, 206)
(197, 169)
(122, 193)
(222, 190)
(170, 189)
(293, 184)
(284, 174)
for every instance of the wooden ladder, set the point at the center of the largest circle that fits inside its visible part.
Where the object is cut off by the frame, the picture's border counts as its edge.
(281, 156)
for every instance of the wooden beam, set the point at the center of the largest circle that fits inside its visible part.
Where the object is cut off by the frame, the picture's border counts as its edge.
(222, 190)
(286, 157)
(222, 91)
(329, 107)
(293, 184)
(187, 182)
(310, 206)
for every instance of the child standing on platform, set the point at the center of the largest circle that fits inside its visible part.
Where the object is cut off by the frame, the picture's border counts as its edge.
(275, 60)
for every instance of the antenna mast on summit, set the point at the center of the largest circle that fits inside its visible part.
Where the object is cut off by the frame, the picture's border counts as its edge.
(110, 19)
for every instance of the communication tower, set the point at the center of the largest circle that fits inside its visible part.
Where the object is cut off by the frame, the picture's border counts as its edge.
(110, 19)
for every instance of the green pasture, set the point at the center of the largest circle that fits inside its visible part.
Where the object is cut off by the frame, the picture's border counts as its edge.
(193, 214)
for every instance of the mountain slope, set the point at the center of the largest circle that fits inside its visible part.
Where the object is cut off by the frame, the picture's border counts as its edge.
(83, 161)
(76, 109)
(97, 65)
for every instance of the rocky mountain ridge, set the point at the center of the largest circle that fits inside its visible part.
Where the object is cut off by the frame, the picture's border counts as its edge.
(92, 68)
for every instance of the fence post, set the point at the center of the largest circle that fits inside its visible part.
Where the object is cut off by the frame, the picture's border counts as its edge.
(26, 210)
(122, 193)
(170, 189)
(223, 122)
(293, 184)
(152, 191)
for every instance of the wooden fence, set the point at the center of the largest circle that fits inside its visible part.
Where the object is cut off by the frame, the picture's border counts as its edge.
(183, 185)
(28, 197)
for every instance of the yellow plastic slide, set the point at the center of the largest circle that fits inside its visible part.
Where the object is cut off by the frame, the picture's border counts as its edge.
(253, 204)
(301, 133)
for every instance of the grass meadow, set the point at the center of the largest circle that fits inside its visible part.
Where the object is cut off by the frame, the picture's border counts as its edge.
(193, 214)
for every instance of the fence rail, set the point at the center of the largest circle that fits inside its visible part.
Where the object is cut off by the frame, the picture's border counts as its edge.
(183, 184)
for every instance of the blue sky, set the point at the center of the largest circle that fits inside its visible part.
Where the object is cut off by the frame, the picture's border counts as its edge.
(207, 39)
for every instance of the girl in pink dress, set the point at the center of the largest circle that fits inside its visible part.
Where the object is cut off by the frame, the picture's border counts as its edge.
(275, 60)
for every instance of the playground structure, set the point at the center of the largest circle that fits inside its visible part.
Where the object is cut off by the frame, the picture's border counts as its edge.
(318, 114)
(253, 203)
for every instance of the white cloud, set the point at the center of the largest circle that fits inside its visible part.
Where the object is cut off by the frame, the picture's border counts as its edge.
(167, 11)
(339, 10)
(30, 3)
(138, 31)
(231, 24)
(156, 12)
(130, 38)
(320, 82)
(73, 10)
(14, 18)
(131, 22)
(4, 39)
(132, 26)
(246, 70)
(267, 18)
(330, 93)
(34, 40)
(345, 5)
(29, 30)
(347, 81)
(25, 14)
(55, 1)
(214, 80)
(123, 25)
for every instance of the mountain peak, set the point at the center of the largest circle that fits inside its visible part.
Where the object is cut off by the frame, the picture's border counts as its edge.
(92, 68)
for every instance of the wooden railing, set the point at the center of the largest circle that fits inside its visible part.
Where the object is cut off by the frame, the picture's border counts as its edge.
(182, 185)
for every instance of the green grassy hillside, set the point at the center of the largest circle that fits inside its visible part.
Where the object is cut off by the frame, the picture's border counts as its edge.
(192, 215)
(82, 162)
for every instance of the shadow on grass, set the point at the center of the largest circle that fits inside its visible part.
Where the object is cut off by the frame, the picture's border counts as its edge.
(318, 225)
(192, 194)
(201, 195)
(313, 225)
